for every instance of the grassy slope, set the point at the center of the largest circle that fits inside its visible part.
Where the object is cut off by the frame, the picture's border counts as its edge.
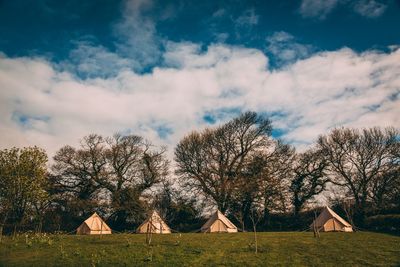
(289, 248)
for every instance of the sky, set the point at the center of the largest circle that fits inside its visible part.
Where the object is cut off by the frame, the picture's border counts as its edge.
(161, 69)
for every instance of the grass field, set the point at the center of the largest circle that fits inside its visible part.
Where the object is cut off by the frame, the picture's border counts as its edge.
(278, 248)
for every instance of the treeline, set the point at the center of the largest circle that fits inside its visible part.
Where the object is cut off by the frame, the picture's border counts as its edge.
(257, 180)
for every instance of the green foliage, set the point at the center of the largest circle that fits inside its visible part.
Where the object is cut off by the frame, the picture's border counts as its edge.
(23, 182)
(282, 248)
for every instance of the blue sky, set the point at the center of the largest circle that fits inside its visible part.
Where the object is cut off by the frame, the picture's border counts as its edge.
(51, 27)
(164, 68)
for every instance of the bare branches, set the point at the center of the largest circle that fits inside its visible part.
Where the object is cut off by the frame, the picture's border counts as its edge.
(366, 162)
(214, 160)
(111, 163)
(309, 177)
(115, 170)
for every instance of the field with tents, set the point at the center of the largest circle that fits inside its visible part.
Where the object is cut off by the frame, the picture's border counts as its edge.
(235, 196)
(329, 241)
(200, 249)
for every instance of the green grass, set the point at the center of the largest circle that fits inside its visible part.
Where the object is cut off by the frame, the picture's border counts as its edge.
(282, 249)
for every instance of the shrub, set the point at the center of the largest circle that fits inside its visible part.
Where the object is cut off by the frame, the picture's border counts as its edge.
(389, 222)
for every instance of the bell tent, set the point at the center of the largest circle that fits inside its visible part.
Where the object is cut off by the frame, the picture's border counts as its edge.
(154, 224)
(94, 225)
(218, 223)
(329, 221)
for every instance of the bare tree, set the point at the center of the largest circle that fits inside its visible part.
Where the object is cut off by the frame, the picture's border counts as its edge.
(81, 171)
(256, 214)
(348, 207)
(309, 177)
(211, 162)
(265, 181)
(134, 167)
(385, 184)
(116, 169)
(275, 178)
(358, 160)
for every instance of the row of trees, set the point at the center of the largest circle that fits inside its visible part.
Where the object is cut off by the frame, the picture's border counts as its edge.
(238, 167)
(242, 168)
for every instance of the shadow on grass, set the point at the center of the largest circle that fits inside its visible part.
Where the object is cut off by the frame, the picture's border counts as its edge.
(395, 233)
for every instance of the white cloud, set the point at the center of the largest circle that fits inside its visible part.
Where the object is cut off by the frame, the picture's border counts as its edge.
(247, 18)
(89, 60)
(317, 8)
(369, 8)
(285, 49)
(42, 106)
(245, 23)
(320, 9)
(137, 33)
(219, 13)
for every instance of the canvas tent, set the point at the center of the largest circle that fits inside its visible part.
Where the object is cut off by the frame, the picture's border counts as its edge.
(329, 221)
(218, 223)
(94, 225)
(154, 224)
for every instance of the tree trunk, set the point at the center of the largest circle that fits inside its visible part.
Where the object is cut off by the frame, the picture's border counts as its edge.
(255, 237)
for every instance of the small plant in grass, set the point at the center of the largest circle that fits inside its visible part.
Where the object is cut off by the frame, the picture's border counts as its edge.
(28, 241)
(103, 252)
(149, 255)
(251, 246)
(178, 241)
(56, 237)
(42, 239)
(77, 252)
(95, 259)
(63, 253)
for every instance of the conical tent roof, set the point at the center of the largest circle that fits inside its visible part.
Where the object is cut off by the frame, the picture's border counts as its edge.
(328, 220)
(155, 224)
(93, 225)
(219, 223)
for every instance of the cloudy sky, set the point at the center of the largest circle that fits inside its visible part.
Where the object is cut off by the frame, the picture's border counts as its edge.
(161, 68)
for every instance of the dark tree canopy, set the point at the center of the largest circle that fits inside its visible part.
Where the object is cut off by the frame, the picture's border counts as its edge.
(309, 177)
